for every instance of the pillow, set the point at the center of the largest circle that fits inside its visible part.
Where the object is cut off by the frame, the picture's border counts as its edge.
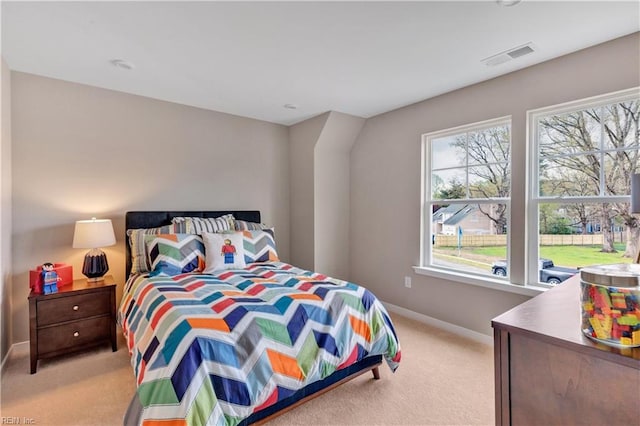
(139, 257)
(173, 254)
(243, 225)
(224, 251)
(259, 246)
(200, 225)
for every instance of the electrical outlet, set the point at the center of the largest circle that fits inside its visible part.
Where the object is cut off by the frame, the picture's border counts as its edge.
(407, 282)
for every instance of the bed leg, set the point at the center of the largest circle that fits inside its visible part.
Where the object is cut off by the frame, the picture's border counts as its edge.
(376, 373)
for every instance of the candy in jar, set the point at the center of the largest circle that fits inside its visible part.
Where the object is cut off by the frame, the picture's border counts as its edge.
(610, 304)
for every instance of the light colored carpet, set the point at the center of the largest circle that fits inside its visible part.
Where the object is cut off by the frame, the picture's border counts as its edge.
(442, 380)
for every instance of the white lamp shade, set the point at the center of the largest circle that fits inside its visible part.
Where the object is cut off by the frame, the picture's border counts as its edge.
(635, 193)
(93, 234)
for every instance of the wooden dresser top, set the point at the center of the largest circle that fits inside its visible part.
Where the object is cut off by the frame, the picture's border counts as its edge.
(554, 316)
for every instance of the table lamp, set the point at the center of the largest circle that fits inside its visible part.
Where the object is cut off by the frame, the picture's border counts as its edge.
(635, 202)
(93, 234)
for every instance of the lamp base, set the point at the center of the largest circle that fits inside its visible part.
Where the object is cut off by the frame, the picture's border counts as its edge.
(95, 265)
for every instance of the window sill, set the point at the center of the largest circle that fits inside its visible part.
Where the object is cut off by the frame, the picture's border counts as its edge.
(487, 282)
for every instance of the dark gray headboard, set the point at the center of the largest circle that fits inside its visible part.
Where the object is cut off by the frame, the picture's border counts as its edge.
(153, 219)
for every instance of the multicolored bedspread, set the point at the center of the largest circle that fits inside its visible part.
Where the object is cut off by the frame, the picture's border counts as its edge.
(213, 349)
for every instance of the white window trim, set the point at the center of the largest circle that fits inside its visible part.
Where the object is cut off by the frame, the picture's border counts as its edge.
(533, 199)
(426, 266)
(480, 281)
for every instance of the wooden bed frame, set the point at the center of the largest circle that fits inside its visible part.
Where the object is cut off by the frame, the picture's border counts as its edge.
(152, 219)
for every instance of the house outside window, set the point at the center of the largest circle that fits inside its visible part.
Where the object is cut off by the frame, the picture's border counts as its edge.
(466, 197)
(582, 156)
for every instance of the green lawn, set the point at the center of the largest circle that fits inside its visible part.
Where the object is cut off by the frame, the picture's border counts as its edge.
(570, 256)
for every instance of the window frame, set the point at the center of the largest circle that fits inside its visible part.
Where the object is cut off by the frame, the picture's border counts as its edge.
(426, 217)
(533, 201)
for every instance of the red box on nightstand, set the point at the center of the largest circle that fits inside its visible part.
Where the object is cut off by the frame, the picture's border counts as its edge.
(64, 271)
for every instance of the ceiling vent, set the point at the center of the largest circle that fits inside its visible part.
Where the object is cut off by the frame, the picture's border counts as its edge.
(508, 55)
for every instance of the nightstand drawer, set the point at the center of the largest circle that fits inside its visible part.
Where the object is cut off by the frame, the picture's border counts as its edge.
(78, 316)
(70, 308)
(69, 335)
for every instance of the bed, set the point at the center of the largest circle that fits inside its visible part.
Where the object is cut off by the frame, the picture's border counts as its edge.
(243, 342)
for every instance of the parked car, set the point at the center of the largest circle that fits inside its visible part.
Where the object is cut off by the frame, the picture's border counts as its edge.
(549, 273)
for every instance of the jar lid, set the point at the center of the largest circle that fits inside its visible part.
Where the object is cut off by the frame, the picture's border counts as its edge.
(616, 275)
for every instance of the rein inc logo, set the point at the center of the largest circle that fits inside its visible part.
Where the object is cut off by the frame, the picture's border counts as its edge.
(7, 420)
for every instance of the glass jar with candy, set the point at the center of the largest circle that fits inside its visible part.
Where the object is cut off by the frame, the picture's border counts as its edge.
(610, 302)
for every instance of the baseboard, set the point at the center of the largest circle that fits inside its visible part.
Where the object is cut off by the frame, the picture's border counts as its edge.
(13, 348)
(443, 325)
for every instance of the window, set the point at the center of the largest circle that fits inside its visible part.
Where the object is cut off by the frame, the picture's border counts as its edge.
(466, 198)
(582, 157)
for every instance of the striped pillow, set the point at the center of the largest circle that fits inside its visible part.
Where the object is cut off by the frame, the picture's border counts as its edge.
(173, 254)
(259, 246)
(200, 225)
(139, 257)
(243, 225)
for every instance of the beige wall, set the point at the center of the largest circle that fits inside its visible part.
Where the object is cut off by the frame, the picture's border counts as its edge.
(81, 151)
(302, 142)
(5, 210)
(332, 194)
(319, 158)
(385, 176)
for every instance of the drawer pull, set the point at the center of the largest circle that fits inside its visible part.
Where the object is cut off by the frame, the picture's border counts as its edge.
(76, 307)
(76, 334)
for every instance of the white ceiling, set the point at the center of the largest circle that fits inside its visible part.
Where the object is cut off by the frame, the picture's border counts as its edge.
(252, 58)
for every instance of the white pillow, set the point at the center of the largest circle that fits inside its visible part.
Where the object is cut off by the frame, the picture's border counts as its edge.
(223, 251)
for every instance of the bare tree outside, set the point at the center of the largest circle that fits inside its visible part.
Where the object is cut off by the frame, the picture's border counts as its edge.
(488, 153)
(594, 152)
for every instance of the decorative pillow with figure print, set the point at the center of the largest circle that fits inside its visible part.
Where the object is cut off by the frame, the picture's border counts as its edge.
(223, 251)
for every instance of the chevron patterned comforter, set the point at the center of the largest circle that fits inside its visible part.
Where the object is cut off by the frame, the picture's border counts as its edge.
(212, 349)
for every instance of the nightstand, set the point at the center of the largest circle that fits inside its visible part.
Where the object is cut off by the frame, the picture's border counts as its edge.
(78, 316)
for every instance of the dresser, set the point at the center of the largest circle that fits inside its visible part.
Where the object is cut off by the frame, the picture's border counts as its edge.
(548, 373)
(78, 316)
